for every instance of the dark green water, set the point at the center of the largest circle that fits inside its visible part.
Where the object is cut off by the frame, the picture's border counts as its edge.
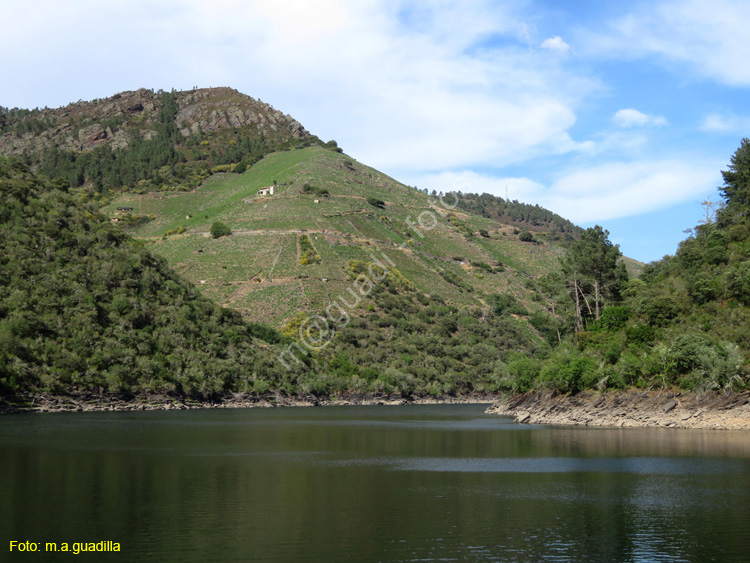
(415, 483)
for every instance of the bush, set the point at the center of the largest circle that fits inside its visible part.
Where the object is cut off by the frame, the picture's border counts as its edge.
(569, 371)
(702, 288)
(738, 282)
(640, 334)
(482, 266)
(375, 202)
(219, 229)
(691, 352)
(614, 318)
(661, 310)
(524, 371)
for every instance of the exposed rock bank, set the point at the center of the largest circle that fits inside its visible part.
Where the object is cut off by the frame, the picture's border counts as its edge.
(96, 403)
(670, 409)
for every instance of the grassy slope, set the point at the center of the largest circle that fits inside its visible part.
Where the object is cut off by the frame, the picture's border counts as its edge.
(257, 269)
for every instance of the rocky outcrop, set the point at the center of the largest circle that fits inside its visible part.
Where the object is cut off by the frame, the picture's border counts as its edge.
(84, 126)
(671, 409)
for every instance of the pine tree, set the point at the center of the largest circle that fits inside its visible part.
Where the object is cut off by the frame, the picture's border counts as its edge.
(593, 274)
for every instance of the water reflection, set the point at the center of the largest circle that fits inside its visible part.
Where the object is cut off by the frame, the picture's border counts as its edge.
(437, 483)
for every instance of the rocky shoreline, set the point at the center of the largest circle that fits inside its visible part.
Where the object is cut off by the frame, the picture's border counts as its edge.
(105, 403)
(629, 408)
(660, 408)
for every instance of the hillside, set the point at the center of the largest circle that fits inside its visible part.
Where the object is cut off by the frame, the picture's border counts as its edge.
(84, 308)
(683, 323)
(322, 195)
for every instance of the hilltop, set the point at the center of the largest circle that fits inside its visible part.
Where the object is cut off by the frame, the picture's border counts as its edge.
(144, 139)
(84, 126)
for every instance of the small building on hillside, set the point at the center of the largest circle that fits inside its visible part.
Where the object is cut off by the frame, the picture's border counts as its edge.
(266, 191)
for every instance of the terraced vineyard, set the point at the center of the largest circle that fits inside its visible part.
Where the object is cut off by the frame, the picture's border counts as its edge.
(324, 194)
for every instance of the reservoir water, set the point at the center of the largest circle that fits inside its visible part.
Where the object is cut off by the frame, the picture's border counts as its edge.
(408, 483)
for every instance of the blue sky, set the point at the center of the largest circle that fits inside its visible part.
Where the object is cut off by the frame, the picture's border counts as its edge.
(613, 113)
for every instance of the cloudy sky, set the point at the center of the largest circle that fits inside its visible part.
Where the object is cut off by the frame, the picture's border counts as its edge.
(613, 113)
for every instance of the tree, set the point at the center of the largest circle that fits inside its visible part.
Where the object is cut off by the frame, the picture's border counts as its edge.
(592, 272)
(736, 189)
(219, 229)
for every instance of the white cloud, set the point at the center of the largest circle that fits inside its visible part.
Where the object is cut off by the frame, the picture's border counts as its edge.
(726, 123)
(593, 194)
(555, 44)
(634, 118)
(418, 90)
(620, 189)
(401, 86)
(710, 37)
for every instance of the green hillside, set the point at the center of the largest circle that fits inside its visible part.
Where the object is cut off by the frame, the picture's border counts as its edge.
(84, 308)
(323, 194)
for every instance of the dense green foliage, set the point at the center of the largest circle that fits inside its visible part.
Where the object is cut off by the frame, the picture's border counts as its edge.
(683, 323)
(83, 307)
(415, 345)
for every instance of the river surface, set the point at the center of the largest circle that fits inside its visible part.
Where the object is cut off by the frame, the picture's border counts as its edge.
(409, 483)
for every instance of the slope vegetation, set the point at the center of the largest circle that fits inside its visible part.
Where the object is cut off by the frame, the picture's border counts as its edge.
(83, 307)
(290, 251)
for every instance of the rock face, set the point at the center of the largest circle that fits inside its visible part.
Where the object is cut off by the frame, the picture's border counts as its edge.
(84, 126)
(630, 408)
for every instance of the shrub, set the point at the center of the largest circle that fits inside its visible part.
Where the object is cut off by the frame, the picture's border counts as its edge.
(219, 229)
(640, 334)
(661, 310)
(375, 202)
(526, 236)
(702, 288)
(691, 352)
(524, 371)
(614, 318)
(482, 266)
(569, 371)
(738, 282)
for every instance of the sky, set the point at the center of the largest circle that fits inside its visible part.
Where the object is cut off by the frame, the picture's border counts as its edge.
(620, 114)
